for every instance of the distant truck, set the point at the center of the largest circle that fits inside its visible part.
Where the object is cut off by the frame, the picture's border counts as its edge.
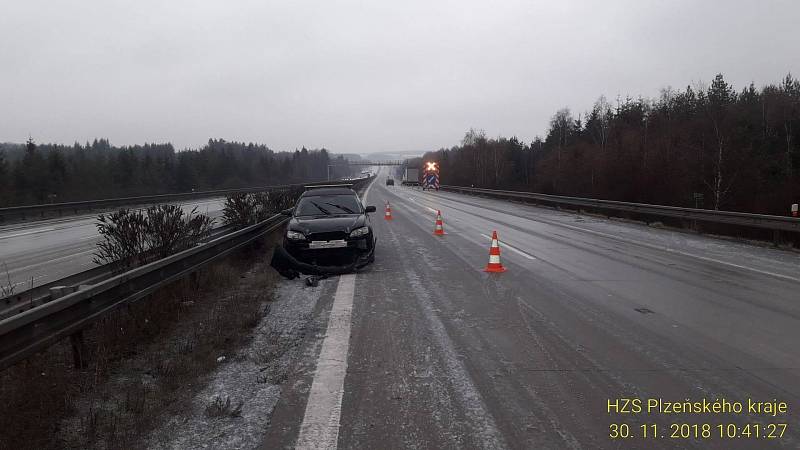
(410, 177)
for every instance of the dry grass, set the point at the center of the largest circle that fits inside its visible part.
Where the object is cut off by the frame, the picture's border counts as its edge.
(146, 360)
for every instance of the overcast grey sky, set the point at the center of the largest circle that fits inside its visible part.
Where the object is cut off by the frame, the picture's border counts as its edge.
(361, 76)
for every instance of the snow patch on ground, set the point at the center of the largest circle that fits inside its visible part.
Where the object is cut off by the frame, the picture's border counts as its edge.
(252, 378)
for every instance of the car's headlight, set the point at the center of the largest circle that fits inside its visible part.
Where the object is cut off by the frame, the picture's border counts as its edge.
(295, 235)
(358, 232)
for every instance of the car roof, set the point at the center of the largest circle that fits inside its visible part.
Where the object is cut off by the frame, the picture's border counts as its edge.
(328, 191)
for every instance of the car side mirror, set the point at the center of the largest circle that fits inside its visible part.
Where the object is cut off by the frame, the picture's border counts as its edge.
(287, 212)
(370, 209)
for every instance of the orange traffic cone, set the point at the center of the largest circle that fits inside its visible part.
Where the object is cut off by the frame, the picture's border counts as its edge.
(439, 230)
(388, 213)
(494, 257)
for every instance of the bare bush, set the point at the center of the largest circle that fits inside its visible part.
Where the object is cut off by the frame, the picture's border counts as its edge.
(242, 210)
(123, 235)
(7, 288)
(169, 229)
(133, 237)
(274, 201)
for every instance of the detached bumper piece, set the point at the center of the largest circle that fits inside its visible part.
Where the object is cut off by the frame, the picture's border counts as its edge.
(290, 267)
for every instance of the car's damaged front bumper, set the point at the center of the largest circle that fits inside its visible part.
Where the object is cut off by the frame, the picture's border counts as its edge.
(291, 267)
(327, 254)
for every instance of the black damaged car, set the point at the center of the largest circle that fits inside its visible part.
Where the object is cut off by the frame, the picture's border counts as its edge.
(330, 227)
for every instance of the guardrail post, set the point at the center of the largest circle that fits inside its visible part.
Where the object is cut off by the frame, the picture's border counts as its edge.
(776, 238)
(78, 349)
(75, 339)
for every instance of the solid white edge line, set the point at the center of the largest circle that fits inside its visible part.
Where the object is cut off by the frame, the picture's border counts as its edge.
(320, 427)
(513, 249)
(27, 233)
(70, 256)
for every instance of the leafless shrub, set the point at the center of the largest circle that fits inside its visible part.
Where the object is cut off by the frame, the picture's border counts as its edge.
(123, 235)
(242, 210)
(272, 202)
(132, 237)
(168, 229)
(223, 408)
(7, 288)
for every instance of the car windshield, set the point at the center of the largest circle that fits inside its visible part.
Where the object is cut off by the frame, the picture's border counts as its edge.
(328, 205)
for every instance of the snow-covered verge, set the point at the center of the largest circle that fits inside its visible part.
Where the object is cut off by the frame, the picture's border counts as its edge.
(233, 410)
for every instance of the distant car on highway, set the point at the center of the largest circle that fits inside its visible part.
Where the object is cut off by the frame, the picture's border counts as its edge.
(330, 226)
(390, 181)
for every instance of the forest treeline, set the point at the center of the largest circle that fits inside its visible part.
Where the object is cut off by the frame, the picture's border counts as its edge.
(737, 149)
(46, 173)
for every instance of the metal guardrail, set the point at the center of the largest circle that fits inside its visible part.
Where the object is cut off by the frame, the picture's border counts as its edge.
(762, 221)
(40, 294)
(33, 330)
(30, 331)
(29, 211)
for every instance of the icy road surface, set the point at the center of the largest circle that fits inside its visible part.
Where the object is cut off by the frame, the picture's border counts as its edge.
(425, 350)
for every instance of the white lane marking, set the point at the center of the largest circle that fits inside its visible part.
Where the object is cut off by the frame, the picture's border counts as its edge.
(320, 428)
(366, 193)
(50, 261)
(45, 230)
(655, 247)
(426, 207)
(513, 249)
(435, 211)
(682, 253)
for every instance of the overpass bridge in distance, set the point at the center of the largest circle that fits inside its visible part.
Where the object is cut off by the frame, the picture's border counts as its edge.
(371, 163)
(364, 164)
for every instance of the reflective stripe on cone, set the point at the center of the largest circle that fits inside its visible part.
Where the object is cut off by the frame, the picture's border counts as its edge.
(494, 256)
(439, 230)
(387, 212)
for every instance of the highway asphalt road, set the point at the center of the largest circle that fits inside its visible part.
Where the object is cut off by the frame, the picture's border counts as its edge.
(43, 251)
(425, 350)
